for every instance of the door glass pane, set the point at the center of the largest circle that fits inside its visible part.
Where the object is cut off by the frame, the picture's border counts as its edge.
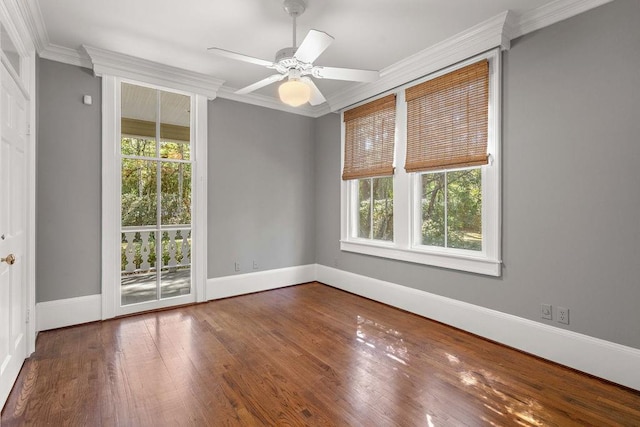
(139, 192)
(10, 51)
(132, 146)
(176, 193)
(138, 266)
(138, 125)
(175, 130)
(176, 263)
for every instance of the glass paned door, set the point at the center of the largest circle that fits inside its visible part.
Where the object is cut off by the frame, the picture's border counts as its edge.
(155, 196)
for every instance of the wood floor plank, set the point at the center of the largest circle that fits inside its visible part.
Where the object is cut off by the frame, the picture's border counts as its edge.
(306, 355)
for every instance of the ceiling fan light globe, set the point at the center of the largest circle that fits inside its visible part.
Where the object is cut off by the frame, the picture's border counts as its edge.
(294, 93)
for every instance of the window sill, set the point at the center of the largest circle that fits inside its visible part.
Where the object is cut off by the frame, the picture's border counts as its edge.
(455, 261)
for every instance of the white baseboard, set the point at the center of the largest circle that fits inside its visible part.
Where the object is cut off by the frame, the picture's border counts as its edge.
(604, 359)
(68, 312)
(229, 286)
(75, 311)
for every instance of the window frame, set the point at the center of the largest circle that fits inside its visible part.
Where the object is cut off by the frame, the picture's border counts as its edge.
(406, 193)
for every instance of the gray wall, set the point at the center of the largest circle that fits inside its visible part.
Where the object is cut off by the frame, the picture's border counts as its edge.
(261, 202)
(571, 235)
(67, 183)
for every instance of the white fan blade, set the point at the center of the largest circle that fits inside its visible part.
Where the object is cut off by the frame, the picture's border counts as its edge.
(312, 46)
(350, 74)
(316, 96)
(240, 57)
(262, 83)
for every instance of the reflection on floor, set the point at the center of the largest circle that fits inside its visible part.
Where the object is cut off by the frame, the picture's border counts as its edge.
(141, 287)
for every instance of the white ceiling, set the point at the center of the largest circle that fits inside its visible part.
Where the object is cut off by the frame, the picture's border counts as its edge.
(369, 34)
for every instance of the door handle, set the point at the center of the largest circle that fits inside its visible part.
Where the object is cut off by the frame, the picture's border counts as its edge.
(10, 259)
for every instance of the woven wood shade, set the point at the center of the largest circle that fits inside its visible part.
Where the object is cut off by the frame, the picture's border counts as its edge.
(369, 139)
(447, 120)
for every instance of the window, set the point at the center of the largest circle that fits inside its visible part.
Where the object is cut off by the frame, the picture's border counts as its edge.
(444, 202)
(368, 167)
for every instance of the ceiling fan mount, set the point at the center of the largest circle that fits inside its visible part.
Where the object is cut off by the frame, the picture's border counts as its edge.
(296, 63)
(294, 8)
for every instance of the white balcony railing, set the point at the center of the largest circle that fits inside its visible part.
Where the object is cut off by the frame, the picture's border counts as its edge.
(139, 251)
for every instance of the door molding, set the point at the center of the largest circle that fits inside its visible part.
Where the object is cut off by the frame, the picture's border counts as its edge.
(110, 169)
(21, 73)
(111, 195)
(19, 32)
(110, 214)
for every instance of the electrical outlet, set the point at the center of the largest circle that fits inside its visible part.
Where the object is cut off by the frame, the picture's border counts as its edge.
(255, 265)
(563, 315)
(545, 311)
(237, 266)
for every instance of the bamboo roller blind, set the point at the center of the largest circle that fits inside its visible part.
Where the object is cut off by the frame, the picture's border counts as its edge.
(369, 139)
(447, 120)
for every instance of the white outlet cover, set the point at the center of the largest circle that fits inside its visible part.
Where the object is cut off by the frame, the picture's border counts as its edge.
(563, 315)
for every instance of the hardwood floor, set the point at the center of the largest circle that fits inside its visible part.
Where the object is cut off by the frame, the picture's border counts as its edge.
(303, 355)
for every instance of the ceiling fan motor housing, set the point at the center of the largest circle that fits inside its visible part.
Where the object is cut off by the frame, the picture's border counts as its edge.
(286, 54)
(285, 61)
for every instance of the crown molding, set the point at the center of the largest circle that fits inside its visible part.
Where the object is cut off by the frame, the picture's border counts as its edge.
(32, 18)
(121, 65)
(551, 13)
(477, 39)
(66, 55)
(497, 31)
(273, 103)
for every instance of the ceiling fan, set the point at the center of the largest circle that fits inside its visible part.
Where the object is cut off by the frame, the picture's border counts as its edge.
(296, 64)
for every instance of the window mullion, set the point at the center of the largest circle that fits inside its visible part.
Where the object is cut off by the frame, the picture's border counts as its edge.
(371, 201)
(402, 181)
(446, 209)
(158, 199)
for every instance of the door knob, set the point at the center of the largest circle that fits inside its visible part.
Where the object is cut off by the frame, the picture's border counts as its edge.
(10, 259)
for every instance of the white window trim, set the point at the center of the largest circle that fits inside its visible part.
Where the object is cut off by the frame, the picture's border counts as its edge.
(488, 261)
(114, 68)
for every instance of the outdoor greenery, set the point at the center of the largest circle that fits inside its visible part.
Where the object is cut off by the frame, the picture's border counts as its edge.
(139, 193)
(376, 223)
(139, 183)
(463, 193)
(458, 226)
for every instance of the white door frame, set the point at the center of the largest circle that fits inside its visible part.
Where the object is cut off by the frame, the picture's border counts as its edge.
(111, 178)
(19, 33)
(25, 78)
(113, 68)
